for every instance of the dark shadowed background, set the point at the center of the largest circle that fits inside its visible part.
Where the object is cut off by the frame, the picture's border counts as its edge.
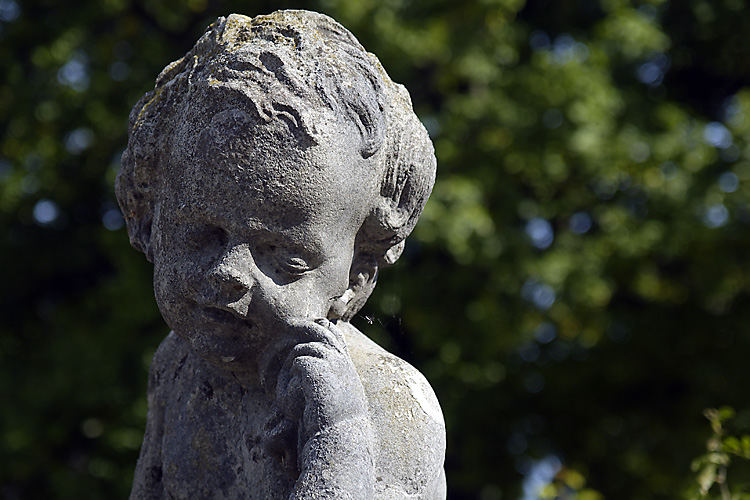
(577, 290)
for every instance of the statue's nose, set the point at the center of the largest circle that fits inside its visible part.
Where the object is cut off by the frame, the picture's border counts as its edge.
(231, 274)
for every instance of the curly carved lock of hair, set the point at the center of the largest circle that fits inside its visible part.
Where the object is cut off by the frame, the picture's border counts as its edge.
(307, 58)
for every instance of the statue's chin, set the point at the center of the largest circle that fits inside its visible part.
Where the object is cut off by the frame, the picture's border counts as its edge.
(225, 345)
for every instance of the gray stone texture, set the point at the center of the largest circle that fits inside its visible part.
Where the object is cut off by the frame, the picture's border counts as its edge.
(269, 176)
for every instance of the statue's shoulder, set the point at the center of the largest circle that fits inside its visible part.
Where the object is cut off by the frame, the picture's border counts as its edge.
(406, 418)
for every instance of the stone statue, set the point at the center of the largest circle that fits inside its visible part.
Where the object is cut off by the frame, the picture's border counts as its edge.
(269, 175)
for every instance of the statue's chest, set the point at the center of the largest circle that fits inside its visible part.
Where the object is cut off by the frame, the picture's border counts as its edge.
(213, 447)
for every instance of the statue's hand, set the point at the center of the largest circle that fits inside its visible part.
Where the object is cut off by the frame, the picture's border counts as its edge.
(318, 385)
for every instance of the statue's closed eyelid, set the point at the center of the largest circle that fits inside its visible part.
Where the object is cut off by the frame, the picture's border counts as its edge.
(294, 265)
(283, 260)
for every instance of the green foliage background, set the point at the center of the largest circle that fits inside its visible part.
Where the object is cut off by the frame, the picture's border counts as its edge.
(577, 290)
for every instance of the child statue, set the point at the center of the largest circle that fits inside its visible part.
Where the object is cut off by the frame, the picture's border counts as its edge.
(269, 176)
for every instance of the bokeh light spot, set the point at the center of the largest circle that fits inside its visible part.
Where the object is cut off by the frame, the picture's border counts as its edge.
(716, 216)
(566, 49)
(112, 219)
(539, 294)
(652, 71)
(45, 212)
(717, 135)
(540, 232)
(728, 182)
(540, 474)
(79, 140)
(580, 222)
(75, 73)
(639, 151)
(545, 333)
(9, 11)
(539, 40)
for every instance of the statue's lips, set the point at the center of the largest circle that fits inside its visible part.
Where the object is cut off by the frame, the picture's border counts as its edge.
(220, 316)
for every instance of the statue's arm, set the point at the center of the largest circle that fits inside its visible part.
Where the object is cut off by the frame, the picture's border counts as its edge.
(319, 388)
(407, 420)
(337, 463)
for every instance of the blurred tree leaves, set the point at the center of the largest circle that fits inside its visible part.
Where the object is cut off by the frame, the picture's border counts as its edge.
(722, 471)
(576, 291)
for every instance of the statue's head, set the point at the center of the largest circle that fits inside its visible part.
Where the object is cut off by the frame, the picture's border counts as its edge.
(271, 172)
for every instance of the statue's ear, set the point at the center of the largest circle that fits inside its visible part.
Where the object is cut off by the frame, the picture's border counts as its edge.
(362, 279)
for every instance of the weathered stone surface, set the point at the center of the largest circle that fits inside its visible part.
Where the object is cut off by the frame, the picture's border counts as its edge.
(269, 175)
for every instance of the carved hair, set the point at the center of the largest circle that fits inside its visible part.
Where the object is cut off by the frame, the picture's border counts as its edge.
(307, 58)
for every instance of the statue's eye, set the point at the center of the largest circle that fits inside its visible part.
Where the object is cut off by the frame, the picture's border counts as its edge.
(282, 262)
(294, 266)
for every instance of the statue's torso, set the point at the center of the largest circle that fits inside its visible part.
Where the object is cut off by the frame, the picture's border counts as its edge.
(213, 447)
(205, 433)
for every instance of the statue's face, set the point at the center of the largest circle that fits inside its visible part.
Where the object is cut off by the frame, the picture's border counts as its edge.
(254, 231)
